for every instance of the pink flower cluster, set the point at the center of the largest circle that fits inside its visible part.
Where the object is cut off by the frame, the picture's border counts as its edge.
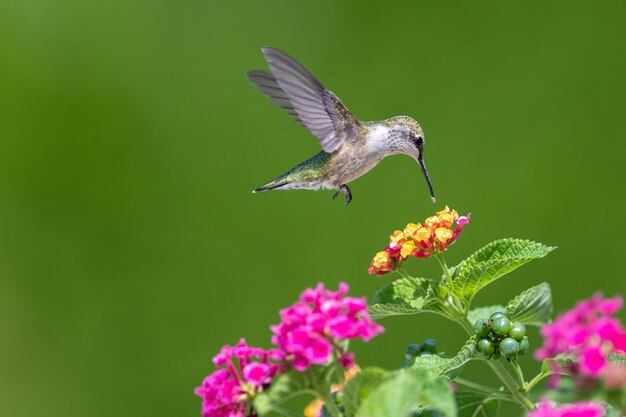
(311, 330)
(228, 391)
(589, 332)
(581, 409)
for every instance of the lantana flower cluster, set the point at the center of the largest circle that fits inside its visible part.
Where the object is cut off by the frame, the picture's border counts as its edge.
(243, 372)
(419, 240)
(589, 333)
(314, 329)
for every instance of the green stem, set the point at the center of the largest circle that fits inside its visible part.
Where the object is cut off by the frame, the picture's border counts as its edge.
(400, 270)
(459, 308)
(518, 372)
(330, 405)
(444, 266)
(476, 386)
(540, 377)
(285, 412)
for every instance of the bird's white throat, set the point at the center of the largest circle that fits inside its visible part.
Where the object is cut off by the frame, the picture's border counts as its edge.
(378, 139)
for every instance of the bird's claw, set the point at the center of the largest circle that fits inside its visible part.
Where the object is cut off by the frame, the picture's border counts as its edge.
(346, 191)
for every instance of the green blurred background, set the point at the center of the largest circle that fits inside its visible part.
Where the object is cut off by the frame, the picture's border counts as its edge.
(130, 139)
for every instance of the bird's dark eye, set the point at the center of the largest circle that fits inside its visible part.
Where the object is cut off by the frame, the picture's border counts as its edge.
(419, 141)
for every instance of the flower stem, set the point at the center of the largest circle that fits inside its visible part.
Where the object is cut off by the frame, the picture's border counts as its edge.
(518, 371)
(400, 270)
(540, 377)
(444, 266)
(330, 405)
(478, 387)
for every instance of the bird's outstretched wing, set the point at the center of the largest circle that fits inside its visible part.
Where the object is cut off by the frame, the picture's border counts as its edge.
(293, 88)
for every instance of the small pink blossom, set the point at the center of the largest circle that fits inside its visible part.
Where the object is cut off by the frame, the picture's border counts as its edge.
(256, 373)
(313, 329)
(592, 361)
(589, 332)
(228, 391)
(346, 360)
(581, 409)
(461, 221)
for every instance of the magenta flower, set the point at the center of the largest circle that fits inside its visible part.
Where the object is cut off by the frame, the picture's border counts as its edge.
(581, 409)
(589, 332)
(229, 391)
(312, 330)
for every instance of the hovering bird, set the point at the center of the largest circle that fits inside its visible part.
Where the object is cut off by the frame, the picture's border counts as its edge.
(350, 147)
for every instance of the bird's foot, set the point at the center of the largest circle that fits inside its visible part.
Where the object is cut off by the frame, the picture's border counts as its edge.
(346, 191)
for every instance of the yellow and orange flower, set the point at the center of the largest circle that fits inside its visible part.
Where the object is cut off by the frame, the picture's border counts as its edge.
(419, 240)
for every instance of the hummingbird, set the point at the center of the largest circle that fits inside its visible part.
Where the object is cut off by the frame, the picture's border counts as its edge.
(350, 147)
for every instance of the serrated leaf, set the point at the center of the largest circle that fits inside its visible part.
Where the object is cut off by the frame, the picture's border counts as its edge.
(612, 411)
(480, 313)
(360, 386)
(532, 307)
(465, 355)
(401, 297)
(617, 359)
(446, 367)
(405, 391)
(283, 388)
(434, 364)
(492, 262)
(475, 404)
(559, 362)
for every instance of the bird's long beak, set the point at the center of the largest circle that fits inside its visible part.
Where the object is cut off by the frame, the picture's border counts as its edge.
(420, 161)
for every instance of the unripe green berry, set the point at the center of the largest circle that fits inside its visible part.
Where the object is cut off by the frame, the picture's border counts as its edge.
(509, 347)
(518, 331)
(523, 346)
(481, 328)
(338, 396)
(413, 350)
(430, 346)
(501, 326)
(485, 346)
(497, 315)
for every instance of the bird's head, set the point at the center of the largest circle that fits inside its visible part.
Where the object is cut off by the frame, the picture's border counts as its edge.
(406, 136)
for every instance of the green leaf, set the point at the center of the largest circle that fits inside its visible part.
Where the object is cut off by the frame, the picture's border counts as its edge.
(480, 313)
(612, 411)
(360, 386)
(532, 307)
(476, 404)
(491, 262)
(465, 355)
(450, 368)
(560, 362)
(617, 359)
(284, 388)
(405, 392)
(401, 297)
(434, 364)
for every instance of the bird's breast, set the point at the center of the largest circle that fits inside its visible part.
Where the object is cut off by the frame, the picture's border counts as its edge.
(351, 164)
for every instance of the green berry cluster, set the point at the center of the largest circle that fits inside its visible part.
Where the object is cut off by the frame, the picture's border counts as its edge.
(427, 347)
(500, 336)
